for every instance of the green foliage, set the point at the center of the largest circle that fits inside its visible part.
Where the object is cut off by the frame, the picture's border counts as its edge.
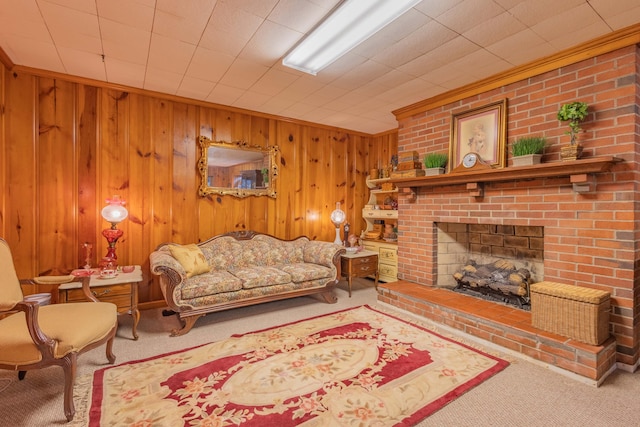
(574, 113)
(265, 175)
(528, 145)
(435, 160)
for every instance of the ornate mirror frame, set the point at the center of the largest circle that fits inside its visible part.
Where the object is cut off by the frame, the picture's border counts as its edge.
(243, 170)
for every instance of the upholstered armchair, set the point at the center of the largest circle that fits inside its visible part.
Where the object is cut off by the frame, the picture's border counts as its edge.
(35, 337)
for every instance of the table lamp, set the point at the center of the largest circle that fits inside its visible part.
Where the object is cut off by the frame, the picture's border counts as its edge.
(114, 212)
(337, 218)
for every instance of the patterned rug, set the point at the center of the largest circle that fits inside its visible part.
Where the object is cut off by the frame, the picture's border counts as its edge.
(358, 367)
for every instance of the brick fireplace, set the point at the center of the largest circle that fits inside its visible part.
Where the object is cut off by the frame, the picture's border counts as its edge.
(590, 237)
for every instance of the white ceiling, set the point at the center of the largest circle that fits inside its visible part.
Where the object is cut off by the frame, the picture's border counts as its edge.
(229, 51)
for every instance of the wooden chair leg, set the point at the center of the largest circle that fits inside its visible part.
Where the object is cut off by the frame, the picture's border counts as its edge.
(21, 375)
(69, 366)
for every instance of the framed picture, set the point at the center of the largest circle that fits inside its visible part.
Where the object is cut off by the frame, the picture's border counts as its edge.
(482, 131)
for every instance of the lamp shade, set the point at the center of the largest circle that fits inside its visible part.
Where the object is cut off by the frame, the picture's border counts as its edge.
(115, 211)
(338, 216)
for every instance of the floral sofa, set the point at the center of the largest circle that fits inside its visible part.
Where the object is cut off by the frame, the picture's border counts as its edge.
(242, 268)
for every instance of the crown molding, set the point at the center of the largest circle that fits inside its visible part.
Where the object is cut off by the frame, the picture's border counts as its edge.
(616, 40)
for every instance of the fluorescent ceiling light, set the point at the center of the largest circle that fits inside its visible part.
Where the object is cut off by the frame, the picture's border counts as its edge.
(351, 23)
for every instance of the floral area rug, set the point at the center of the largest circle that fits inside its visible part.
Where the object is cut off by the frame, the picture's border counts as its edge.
(358, 367)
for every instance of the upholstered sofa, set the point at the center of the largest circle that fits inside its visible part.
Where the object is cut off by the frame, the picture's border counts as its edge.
(242, 268)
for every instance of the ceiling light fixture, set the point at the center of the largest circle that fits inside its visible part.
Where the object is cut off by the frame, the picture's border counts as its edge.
(348, 25)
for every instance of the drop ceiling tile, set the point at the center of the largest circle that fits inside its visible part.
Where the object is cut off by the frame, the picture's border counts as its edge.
(261, 8)
(434, 9)
(83, 64)
(183, 21)
(269, 44)
(566, 22)
(86, 6)
(170, 54)
(428, 37)
(26, 27)
(135, 14)
(243, 74)
(299, 15)
(128, 44)
(63, 21)
(209, 65)
(468, 14)
(361, 74)
(436, 58)
(229, 29)
(273, 82)
(502, 25)
(251, 101)
(160, 80)
(195, 88)
(225, 95)
(125, 73)
(33, 53)
(517, 48)
(532, 12)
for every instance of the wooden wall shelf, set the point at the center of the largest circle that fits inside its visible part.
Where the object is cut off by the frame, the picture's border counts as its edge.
(578, 170)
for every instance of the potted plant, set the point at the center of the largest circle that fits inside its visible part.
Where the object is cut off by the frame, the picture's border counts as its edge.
(574, 113)
(527, 150)
(435, 163)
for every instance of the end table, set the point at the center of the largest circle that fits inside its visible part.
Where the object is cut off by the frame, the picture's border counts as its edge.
(121, 290)
(359, 264)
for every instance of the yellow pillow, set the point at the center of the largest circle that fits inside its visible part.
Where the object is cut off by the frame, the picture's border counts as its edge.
(190, 258)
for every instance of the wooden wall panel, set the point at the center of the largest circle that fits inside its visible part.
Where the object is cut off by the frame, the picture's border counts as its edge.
(98, 142)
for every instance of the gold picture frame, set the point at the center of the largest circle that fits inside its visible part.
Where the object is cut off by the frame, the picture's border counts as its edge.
(480, 130)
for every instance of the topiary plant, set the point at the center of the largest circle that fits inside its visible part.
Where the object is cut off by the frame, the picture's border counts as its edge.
(574, 113)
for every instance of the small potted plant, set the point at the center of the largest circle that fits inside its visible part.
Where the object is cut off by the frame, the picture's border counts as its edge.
(435, 163)
(574, 113)
(527, 150)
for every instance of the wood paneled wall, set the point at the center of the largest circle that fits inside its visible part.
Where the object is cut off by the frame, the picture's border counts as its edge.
(67, 145)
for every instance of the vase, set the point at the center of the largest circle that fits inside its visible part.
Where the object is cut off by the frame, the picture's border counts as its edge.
(527, 160)
(433, 171)
(571, 152)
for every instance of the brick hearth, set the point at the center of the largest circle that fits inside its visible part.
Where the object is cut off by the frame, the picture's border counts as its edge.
(501, 325)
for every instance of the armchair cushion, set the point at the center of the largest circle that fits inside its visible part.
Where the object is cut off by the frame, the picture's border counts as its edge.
(190, 258)
(74, 325)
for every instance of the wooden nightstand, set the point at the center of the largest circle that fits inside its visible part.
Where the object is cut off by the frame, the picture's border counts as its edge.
(121, 290)
(359, 264)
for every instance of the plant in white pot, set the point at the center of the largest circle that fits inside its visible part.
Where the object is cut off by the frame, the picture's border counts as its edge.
(435, 163)
(574, 113)
(528, 150)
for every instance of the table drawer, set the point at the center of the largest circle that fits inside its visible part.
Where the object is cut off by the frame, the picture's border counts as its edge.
(117, 294)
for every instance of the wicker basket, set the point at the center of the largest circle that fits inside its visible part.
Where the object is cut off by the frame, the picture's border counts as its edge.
(572, 311)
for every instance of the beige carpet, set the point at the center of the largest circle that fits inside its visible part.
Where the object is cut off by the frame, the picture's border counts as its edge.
(523, 394)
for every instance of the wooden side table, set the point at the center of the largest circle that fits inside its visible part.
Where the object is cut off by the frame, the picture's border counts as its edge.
(121, 290)
(359, 264)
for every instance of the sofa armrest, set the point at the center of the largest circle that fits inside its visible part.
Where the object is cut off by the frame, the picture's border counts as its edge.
(323, 253)
(170, 272)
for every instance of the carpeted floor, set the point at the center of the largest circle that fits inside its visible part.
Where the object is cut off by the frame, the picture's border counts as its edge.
(523, 394)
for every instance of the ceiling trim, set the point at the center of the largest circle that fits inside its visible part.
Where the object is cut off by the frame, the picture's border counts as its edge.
(175, 98)
(6, 60)
(622, 38)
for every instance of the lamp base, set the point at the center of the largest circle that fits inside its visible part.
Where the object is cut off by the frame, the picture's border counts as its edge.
(338, 240)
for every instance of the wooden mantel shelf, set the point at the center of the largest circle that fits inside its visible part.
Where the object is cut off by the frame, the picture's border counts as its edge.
(578, 170)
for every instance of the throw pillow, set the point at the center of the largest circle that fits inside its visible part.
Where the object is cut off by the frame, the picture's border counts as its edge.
(190, 258)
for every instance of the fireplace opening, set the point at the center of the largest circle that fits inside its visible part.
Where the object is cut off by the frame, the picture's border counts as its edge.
(493, 262)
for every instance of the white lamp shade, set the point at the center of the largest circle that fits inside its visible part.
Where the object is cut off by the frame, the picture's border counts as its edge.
(338, 216)
(114, 212)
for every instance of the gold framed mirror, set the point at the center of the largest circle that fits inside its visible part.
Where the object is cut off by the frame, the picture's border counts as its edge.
(237, 168)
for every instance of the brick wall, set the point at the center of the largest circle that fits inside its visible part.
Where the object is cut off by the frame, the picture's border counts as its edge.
(590, 239)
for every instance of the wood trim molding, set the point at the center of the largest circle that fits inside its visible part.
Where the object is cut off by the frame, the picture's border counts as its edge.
(622, 38)
(6, 60)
